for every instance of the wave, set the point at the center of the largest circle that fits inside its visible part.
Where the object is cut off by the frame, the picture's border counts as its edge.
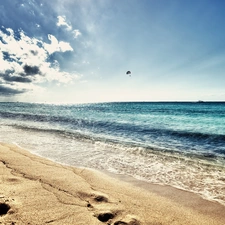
(198, 136)
(42, 118)
(92, 137)
(115, 128)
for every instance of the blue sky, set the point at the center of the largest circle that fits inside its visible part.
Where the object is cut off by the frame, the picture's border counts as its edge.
(74, 51)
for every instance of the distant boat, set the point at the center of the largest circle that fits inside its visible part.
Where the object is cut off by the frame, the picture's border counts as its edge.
(200, 101)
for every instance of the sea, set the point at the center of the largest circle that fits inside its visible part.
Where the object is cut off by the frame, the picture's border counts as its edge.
(180, 144)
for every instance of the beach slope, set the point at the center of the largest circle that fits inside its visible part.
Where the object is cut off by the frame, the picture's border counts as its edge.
(34, 190)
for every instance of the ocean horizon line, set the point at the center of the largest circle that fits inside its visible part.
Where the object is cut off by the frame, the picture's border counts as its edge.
(108, 102)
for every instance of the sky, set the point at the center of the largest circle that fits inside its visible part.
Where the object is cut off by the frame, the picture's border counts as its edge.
(75, 51)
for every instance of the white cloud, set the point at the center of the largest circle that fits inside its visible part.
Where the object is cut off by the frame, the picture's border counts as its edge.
(24, 62)
(62, 22)
(24, 50)
(76, 33)
(57, 46)
(65, 46)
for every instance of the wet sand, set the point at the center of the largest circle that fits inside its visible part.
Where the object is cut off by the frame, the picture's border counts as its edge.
(34, 190)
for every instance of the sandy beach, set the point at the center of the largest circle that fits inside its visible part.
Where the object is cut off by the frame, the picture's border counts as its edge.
(34, 190)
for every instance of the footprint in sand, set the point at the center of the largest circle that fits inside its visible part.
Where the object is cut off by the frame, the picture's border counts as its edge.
(4, 208)
(109, 217)
(106, 216)
(130, 221)
(93, 198)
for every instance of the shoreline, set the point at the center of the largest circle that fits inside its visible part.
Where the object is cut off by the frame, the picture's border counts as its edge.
(40, 191)
(183, 197)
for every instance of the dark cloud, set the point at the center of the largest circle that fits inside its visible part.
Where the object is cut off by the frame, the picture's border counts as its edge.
(31, 70)
(11, 76)
(17, 79)
(7, 91)
(34, 52)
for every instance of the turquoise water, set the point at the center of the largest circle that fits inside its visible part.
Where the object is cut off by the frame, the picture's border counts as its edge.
(177, 144)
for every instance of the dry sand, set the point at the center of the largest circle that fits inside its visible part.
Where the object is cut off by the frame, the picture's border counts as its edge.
(34, 190)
